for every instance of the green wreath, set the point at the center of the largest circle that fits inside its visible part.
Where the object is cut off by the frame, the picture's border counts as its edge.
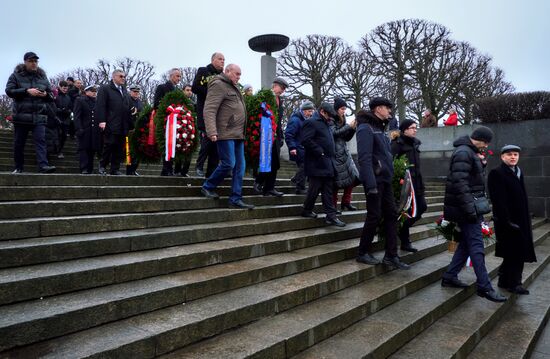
(140, 150)
(254, 112)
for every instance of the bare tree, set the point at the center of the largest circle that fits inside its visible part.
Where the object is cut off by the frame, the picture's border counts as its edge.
(6, 104)
(313, 63)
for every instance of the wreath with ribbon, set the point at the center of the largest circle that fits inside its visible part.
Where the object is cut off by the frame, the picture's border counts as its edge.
(255, 111)
(175, 123)
(143, 144)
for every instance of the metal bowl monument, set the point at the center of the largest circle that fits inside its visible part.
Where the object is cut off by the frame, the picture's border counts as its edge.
(268, 43)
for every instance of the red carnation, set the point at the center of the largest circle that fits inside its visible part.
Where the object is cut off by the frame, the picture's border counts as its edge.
(257, 124)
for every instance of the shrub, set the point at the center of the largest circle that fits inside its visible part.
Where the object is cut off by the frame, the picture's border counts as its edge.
(513, 107)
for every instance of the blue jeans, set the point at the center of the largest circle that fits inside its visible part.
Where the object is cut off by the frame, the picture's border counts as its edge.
(231, 154)
(471, 244)
(39, 137)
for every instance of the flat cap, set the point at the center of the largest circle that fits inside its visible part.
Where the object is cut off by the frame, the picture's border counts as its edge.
(328, 108)
(510, 148)
(281, 81)
(380, 101)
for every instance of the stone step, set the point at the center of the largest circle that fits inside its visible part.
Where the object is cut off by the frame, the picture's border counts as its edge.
(456, 334)
(164, 330)
(542, 347)
(515, 335)
(380, 334)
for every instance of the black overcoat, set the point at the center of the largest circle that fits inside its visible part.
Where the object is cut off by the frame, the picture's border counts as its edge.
(346, 171)
(409, 146)
(86, 124)
(510, 205)
(319, 146)
(113, 107)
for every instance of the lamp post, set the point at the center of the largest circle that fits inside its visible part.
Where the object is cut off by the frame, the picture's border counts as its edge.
(268, 43)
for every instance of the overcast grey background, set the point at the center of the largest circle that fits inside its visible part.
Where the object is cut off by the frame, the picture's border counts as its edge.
(68, 34)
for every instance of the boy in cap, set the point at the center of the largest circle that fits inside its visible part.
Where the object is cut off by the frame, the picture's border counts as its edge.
(512, 220)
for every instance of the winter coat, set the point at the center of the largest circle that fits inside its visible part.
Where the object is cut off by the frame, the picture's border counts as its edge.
(113, 107)
(464, 182)
(320, 153)
(452, 120)
(429, 121)
(27, 109)
(373, 151)
(86, 124)
(224, 110)
(161, 91)
(64, 106)
(200, 88)
(346, 172)
(135, 108)
(409, 146)
(293, 136)
(510, 205)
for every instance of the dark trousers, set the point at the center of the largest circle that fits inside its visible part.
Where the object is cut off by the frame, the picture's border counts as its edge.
(182, 167)
(62, 135)
(267, 180)
(113, 151)
(167, 168)
(509, 273)
(380, 206)
(470, 245)
(404, 232)
(87, 160)
(132, 167)
(39, 138)
(299, 178)
(323, 185)
(208, 150)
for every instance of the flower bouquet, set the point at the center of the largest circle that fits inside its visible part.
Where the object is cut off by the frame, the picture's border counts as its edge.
(449, 230)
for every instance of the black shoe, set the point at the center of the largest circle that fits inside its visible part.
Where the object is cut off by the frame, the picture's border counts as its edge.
(167, 174)
(257, 187)
(408, 248)
(492, 295)
(348, 207)
(209, 194)
(184, 175)
(46, 169)
(199, 173)
(309, 214)
(84, 172)
(240, 204)
(518, 289)
(395, 262)
(273, 193)
(335, 222)
(367, 258)
(301, 191)
(453, 283)
(102, 171)
(116, 173)
(17, 171)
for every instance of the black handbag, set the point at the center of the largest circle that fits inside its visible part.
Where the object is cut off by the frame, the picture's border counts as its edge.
(481, 204)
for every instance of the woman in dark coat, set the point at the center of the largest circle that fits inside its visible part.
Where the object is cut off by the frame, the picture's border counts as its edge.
(87, 129)
(512, 221)
(407, 144)
(346, 171)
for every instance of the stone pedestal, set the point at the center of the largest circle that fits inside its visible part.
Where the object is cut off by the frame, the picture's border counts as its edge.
(269, 69)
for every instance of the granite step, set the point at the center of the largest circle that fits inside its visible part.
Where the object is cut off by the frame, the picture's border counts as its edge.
(516, 334)
(542, 347)
(164, 330)
(379, 335)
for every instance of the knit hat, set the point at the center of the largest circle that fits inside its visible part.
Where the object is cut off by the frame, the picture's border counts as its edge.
(338, 103)
(482, 133)
(403, 125)
(307, 105)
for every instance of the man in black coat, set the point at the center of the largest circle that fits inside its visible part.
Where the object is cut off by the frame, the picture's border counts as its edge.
(30, 89)
(208, 150)
(87, 129)
(465, 185)
(135, 108)
(512, 221)
(319, 163)
(406, 144)
(375, 172)
(113, 114)
(174, 77)
(64, 105)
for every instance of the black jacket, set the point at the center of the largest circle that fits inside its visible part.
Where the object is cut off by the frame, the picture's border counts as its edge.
(113, 107)
(319, 147)
(293, 136)
(464, 182)
(346, 172)
(409, 146)
(135, 108)
(160, 91)
(200, 88)
(510, 205)
(85, 123)
(27, 109)
(64, 105)
(373, 151)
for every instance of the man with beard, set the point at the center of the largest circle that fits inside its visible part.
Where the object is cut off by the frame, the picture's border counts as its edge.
(208, 149)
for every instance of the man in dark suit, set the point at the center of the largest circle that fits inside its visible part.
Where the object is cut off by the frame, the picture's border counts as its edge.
(174, 77)
(113, 114)
(208, 150)
(512, 221)
(319, 165)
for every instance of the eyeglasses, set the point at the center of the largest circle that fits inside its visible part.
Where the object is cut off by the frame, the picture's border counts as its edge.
(122, 76)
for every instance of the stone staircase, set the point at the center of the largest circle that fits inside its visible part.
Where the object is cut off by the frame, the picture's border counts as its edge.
(141, 267)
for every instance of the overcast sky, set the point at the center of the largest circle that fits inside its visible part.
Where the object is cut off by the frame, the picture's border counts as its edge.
(73, 33)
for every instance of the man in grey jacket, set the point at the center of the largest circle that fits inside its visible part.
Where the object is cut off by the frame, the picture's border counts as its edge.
(225, 122)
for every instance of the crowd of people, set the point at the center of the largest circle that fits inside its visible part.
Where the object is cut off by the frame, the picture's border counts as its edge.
(317, 142)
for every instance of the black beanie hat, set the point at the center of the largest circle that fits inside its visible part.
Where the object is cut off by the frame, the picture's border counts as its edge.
(338, 102)
(403, 125)
(482, 133)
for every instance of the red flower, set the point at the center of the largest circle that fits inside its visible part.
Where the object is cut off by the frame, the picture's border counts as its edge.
(257, 124)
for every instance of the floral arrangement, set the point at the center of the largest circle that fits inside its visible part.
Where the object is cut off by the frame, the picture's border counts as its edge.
(253, 130)
(487, 232)
(186, 138)
(141, 146)
(449, 230)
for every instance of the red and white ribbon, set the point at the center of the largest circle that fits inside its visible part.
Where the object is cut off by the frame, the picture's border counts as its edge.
(411, 202)
(170, 135)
